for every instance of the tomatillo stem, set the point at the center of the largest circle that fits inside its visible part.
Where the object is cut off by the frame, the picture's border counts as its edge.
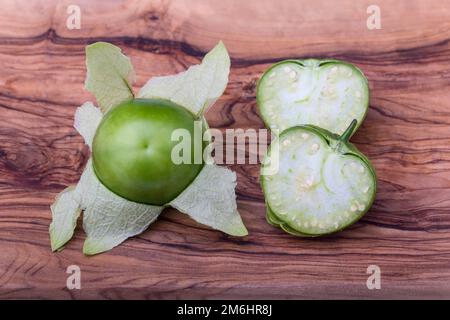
(348, 132)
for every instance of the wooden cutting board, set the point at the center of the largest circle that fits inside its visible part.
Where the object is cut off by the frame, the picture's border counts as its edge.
(406, 134)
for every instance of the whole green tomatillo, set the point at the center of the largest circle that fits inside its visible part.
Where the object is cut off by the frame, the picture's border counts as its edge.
(143, 150)
(132, 150)
(323, 183)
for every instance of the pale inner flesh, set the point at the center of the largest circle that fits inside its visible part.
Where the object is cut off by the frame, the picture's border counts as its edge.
(316, 190)
(330, 96)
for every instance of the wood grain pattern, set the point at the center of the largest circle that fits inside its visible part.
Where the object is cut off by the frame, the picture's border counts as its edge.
(406, 135)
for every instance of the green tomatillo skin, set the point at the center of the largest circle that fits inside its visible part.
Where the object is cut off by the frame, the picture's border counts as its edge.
(325, 93)
(132, 151)
(323, 183)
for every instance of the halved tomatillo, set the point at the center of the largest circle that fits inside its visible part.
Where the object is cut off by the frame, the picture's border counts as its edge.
(323, 183)
(132, 151)
(325, 93)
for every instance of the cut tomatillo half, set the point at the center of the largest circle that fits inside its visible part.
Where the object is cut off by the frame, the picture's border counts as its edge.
(132, 150)
(325, 93)
(323, 183)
